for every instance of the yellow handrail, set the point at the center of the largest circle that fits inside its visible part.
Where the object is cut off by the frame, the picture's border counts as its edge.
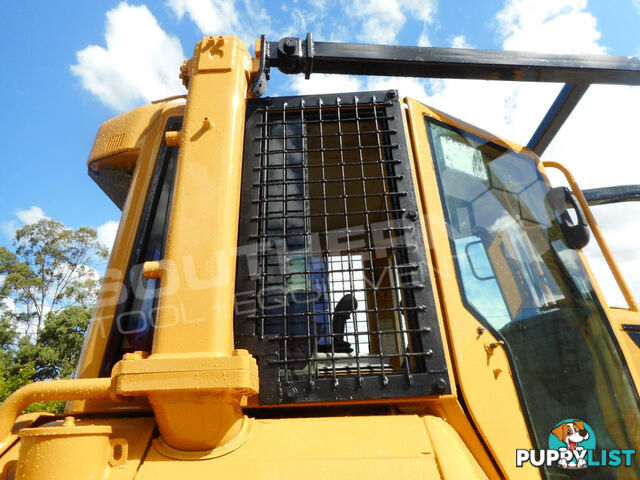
(617, 274)
(75, 389)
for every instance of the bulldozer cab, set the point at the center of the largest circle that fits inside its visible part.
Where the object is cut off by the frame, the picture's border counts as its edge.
(353, 281)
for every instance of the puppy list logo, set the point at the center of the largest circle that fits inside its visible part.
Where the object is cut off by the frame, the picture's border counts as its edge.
(572, 445)
(572, 439)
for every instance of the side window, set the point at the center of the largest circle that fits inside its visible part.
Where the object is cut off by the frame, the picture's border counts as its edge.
(134, 320)
(333, 293)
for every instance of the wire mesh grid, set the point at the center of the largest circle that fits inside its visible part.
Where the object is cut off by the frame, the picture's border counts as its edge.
(334, 269)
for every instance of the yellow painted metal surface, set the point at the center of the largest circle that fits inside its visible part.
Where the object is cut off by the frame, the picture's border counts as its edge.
(46, 391)
(378, 447)
(195, 312)
(483, 374)
(9, 452)
(372, 447)
(195, 398)
(195, 309)
(453, 457)
(619, 317)
(98, 333)
(73, 452)
(449, 409)
(119, 140)
(76, 449)
(162, 373)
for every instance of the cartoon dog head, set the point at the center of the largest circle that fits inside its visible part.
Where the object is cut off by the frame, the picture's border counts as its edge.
(571, 433)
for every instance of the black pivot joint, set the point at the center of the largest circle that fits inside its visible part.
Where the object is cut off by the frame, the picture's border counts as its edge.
(289, 55)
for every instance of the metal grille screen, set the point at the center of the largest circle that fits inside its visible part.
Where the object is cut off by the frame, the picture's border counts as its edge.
(333, 291)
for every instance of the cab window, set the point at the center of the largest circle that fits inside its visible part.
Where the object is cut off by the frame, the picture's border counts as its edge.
(133, 324)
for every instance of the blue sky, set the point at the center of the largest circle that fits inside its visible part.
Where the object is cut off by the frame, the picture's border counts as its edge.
(69, 66)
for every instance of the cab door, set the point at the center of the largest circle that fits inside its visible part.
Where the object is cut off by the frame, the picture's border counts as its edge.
(480, 362)
(532, 343)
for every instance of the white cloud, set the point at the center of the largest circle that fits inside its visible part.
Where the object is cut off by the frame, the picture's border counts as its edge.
(107, 233)
(324, 83)
(31, 215)
(551, 26)
(140, 62)
(423, 40)
(213, 17)
(460, 41)
(28, 216)
(227, 17)
(380, 21)
(514, 109)
(407, 87)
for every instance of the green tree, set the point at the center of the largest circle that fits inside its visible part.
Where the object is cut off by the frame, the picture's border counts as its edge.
(9, 381)
(48, 285)
(52, 269)
(55, 352)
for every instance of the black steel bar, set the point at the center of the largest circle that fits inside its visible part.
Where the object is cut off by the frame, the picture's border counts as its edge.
(617, 194)
(430, 62)
(294, 55)
(555, 117)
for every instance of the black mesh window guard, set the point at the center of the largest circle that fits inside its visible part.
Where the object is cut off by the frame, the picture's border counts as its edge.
(333, 294)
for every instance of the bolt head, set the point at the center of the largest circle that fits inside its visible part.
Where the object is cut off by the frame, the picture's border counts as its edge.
(291, 393)
(439, 386)
(289, 45)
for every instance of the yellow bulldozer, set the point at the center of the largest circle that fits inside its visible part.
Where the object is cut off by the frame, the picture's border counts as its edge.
(343, 286)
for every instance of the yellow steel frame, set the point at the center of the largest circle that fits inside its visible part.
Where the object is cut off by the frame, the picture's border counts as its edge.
(617, 316)
(615, 270)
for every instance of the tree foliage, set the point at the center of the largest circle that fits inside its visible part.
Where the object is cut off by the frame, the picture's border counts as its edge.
(51, 270)
(48, 285)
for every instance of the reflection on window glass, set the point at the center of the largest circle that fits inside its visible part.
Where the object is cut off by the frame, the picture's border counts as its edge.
(134, 321)
(479, 281)
(518, 276)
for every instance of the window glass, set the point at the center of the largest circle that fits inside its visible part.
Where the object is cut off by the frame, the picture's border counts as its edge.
(519, 278)
(135, 317)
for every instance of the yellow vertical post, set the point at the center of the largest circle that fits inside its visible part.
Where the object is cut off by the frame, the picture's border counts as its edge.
(196, 305)
(194, 379)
